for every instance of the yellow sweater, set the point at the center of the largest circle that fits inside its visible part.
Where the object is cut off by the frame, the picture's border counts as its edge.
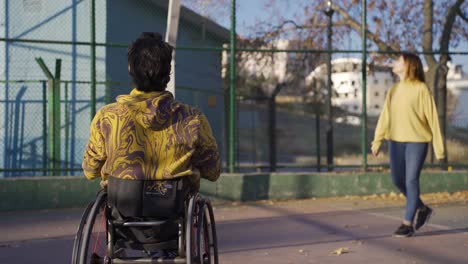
(409, 115)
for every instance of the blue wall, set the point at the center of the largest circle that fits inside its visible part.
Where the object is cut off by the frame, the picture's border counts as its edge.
(21, 106)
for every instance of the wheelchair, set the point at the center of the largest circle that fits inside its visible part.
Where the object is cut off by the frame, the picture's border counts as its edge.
(147, 221)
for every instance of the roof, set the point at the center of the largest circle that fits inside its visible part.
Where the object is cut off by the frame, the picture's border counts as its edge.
(196, 19)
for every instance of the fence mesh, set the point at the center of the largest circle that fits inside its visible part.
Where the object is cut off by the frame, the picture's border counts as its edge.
(281, 98)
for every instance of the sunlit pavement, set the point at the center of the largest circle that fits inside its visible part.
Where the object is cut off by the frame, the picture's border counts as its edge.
(331, 230)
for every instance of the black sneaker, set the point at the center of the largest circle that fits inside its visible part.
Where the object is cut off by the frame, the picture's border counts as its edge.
(424, 214)
(404, 231)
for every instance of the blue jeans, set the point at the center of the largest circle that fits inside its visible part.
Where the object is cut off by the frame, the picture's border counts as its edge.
(406, 161)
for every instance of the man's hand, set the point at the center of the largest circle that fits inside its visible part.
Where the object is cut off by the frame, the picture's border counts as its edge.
(103, 184)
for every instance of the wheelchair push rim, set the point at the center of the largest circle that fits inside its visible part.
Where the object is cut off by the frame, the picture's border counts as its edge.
(201, 242)
(93, 248)
(79, 233)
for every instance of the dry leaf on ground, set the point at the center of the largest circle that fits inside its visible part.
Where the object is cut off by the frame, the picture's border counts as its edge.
(340, 251)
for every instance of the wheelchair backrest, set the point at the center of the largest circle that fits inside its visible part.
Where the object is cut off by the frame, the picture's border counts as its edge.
(148, 198)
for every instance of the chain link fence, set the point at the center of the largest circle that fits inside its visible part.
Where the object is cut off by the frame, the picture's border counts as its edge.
(270, 112)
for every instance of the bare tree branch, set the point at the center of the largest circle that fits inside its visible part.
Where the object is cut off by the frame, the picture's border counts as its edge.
(460, 13)
(382, 45)
(448, 26)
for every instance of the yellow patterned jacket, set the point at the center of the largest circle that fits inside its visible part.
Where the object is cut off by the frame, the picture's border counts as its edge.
(151, 136)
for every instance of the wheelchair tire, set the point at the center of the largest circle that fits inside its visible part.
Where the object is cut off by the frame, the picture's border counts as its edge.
(201, 241)
(189, 228)
(94, 234)
(210, 230)
(79, 233)
(201, 237)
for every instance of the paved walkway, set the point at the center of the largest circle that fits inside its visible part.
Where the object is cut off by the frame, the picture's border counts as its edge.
(305, 231)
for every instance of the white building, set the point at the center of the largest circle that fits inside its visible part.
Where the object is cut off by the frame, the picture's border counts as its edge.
(457, 83)
(347, 84)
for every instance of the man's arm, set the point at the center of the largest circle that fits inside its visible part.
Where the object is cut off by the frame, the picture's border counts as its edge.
(95, 153)
(206, 157)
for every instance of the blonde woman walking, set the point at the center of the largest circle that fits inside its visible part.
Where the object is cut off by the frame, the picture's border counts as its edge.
(409, 121)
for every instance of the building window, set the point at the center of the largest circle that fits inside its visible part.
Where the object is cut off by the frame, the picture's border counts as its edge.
(376, 81)
(355, 93)
(386, 81)
(376, 93)
(376, 106)
(352, 83)
(355, 107)
(346, 95)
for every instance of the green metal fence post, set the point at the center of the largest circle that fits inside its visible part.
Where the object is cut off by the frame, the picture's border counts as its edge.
(93, 58)
(364, 85)
(232, 84)
(329, 137)
(67, 127)
(44, 127)
(54, 95)
(272, 131)
(317, 137)
(272, 126)
(107, 93)
(53, 102)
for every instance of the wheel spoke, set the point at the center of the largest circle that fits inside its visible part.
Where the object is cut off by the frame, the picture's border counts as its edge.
(99, 231)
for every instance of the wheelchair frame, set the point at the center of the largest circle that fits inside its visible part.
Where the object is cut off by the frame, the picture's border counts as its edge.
(197, 239)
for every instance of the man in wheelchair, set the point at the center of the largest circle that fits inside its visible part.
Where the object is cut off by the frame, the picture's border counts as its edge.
(149, 149)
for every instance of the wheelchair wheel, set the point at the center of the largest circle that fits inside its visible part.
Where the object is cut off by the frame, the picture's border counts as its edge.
(209, 228)
(79, 233)
(201, 242)
(190, 229)
(93, 242)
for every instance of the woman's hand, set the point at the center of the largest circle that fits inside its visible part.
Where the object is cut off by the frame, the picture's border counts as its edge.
(375, 153)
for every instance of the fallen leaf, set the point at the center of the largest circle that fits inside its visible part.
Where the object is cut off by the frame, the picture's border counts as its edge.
(340, 251)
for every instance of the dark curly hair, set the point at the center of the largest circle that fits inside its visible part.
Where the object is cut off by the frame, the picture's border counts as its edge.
(149, 62)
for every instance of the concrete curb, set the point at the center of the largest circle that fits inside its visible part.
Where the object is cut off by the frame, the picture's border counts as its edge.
(67, 192)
